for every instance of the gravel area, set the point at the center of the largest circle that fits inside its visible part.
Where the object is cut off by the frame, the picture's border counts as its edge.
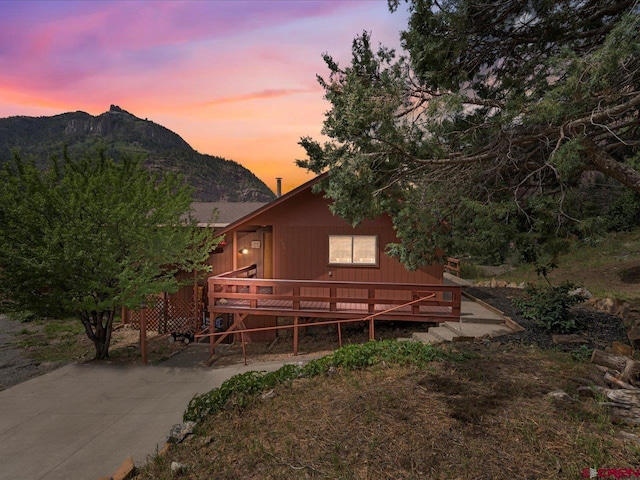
(599, 329)
(15, 365)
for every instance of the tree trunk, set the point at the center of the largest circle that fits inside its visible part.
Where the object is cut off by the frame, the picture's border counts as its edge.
(620, 171)
(98, 326)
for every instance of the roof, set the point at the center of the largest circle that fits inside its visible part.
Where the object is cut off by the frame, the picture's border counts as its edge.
(284, 198)
(225, 212)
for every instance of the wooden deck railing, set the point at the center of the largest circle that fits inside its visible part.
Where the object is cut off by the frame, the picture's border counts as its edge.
(330, 299)
(340, 302)
(245, 272)
(452, 266)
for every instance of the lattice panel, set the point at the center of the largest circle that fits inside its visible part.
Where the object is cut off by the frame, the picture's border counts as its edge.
(168, 315)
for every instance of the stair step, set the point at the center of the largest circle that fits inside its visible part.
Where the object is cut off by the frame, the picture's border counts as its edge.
(407, 339)
(442, 333)
(476, 330)
(488, 321)
(425, 337)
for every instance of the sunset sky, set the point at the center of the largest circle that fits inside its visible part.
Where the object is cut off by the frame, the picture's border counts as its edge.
(233, 78)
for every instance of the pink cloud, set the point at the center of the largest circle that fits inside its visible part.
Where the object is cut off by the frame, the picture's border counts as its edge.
(262, 95)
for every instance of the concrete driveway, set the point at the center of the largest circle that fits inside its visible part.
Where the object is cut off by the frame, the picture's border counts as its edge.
(83, 421)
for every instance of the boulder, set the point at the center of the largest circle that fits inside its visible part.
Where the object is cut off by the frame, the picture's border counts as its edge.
(582, 292)
(180, 431)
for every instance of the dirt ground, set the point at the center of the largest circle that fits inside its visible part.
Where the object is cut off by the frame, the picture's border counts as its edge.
(26, 351)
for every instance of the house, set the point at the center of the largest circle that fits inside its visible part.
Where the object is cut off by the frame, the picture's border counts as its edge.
(293, 261)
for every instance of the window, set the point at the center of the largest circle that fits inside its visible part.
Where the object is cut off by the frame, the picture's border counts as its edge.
(353, 249)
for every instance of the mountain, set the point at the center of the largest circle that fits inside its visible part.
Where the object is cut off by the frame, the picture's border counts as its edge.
(214, 178)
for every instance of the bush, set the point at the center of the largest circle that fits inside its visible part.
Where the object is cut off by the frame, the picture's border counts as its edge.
(239, 390)
(550, 307)
(470, 270)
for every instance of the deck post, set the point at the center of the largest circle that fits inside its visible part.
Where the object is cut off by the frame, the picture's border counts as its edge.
(253, 290)
(340, 334)
(456, 297)
(212, 330)
(295, 335)
(372, 334)
(296, 294)
(415, 308)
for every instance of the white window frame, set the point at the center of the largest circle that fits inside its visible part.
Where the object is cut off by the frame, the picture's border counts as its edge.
(349, 258)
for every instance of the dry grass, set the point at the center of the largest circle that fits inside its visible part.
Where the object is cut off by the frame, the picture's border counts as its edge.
(598, 267)
(488, 417)
(64, 341)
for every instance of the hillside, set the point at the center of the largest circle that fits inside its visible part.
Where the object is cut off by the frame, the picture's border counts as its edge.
(214, 178)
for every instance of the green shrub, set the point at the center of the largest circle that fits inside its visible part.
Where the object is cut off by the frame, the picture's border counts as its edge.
(550, 306)
(239, 390)
(582, 353)
(470, 270)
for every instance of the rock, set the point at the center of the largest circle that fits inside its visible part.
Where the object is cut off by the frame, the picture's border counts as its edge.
(619, 348)
(501, 284)
(179, 432)
(177, 467)
(560, 395)
(582, 292)
(493, 283)
(568, 339)
(606, 305)
(522, 285)
(512, 285)
(268, 395)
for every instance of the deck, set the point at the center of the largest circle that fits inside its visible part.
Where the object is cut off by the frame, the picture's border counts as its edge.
(327, 302)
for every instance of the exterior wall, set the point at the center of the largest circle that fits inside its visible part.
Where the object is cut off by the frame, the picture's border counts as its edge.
(301, 230)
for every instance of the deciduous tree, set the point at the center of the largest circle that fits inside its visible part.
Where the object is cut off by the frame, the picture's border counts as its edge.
(91, 235)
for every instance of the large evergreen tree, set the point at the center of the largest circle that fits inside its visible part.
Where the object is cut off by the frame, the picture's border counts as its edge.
(91, 235)
(487, 131)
